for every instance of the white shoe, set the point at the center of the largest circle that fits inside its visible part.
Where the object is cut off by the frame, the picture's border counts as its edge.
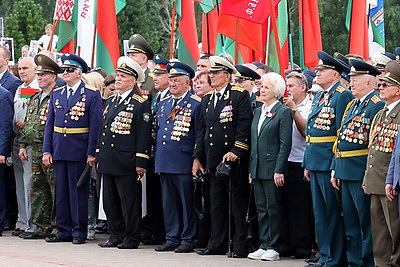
(256, 255)
(270, 255)
(91, 235)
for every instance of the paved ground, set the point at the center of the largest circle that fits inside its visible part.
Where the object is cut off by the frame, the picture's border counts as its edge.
(15, 251)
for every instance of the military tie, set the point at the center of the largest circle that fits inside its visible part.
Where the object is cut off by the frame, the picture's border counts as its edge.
(217, 96)
(357, 103)
(117, 101)
(175, 103)
(71, 92)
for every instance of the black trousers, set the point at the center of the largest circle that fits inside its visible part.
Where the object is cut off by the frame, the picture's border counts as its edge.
(298, 220)
(122, 197)
(220, 209)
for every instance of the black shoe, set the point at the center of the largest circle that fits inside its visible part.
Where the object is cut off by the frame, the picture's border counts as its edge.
(78, 241)
(301, 254)
(32, 236)
(311, 260)
(184, 249)
(208, 251)
(1, 233)
(314, 264)
(166, 247)
(55, 239)
(17, 232)
(237, 255)
(108, 244)
(153, 242)
(22, 235)
(126, 246)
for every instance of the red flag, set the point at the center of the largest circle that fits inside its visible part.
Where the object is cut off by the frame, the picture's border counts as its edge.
(252, 10)
(209, 32)
(310, 39)
(358, 43)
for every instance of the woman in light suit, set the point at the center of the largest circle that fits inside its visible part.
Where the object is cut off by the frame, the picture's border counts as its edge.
(271, 141)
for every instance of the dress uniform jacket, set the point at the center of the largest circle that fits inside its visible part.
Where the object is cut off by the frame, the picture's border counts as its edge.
(147, 86)
(352, 143)
(225, 128)
(125, 139)
(176, 135)
(82, 114)
(322, 123)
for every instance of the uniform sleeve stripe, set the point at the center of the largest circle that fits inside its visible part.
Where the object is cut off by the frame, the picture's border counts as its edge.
(141, 155)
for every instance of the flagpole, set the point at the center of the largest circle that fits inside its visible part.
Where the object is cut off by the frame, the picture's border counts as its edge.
(171, 41)
(222, 38)
(236, 41)
(55, 24)
(208, 35)
(290, 37)
(268, 33)
(93, 45)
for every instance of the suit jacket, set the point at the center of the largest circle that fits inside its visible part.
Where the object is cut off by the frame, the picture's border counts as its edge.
(10, 82)
(382, 140)
(393, 176)
(176, 135)
(125, 137)
(225, 128)
(6, 121)
(324, 121)
(270, 148)
(83, 110)
(353, 136)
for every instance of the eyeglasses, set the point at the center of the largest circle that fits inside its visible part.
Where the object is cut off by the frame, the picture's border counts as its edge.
(68, 69)
(384, 85)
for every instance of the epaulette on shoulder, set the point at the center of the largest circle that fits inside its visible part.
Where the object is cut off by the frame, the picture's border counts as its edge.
(341, 89)
(195, 97)
(237, 88)
(90, 87)
(111, 96)
(376, 99)
(258, 99)
(58, 88)
(167, 97)
(210, 92)
(138, 98)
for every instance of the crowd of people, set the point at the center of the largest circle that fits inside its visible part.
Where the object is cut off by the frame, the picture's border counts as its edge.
(162, 154)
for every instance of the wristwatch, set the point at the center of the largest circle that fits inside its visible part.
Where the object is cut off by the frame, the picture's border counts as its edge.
(294, 110)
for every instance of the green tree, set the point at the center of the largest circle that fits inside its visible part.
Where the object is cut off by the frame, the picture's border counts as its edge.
(24, 23)
(392, 21)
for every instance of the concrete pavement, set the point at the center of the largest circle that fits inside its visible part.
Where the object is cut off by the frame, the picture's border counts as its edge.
(15, 251)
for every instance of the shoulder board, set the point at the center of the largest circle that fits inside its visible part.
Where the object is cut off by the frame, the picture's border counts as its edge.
(195, 97)
(111, 96)
(167, 97)
(375, 99)
(58, 88)
(258, 99)
(237, 88)
(341, 89)
(90, 87)
(138, 98)
(210, 92)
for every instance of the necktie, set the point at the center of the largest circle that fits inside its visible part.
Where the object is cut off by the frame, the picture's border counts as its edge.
(356, 105)
(175, 103)
(217, 96)
(118, 100)
(69, 96)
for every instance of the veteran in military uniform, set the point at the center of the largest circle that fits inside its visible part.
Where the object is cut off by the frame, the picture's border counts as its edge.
(140, 51)
(123, 155)
(351, 150)
(224, 135)
(177, 121)
(384, 129)
(70, 138)
(322, 123)
(245, 78)
(43, 183)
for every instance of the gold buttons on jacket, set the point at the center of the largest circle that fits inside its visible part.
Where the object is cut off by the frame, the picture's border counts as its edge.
(112, 145)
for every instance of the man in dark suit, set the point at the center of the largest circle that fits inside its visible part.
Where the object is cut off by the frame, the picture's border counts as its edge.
(70, 138)
(6, 126)
(322, 123)
(7, 79)
(351, 150)
(123, 155)
(224, 136)
(10, 83)
(177, 120)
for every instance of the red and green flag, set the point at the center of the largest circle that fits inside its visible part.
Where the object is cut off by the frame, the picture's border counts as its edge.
(357, 23)
(66, 16)
(187, 46)
(27, 92)
(309, 33)
(107, 45)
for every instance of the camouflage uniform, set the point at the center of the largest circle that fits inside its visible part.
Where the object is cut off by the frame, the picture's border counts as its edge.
(43, 183)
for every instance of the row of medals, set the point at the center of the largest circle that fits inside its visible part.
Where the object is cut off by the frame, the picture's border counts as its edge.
(360, 135)
(181, 124)
(323, 121)
(386, 137)
(122, 123)
(226, 114)
(77, 110)
(43, 113)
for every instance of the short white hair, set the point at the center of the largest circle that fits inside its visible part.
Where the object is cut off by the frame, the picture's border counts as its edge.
(277, 81)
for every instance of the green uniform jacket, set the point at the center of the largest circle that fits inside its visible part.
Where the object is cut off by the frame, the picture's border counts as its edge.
(270, 148)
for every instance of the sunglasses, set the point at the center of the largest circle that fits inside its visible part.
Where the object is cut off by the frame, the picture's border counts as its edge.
(68, 69)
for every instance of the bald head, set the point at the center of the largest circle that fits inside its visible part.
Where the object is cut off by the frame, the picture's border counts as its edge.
(26, 70)
(47, 53)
